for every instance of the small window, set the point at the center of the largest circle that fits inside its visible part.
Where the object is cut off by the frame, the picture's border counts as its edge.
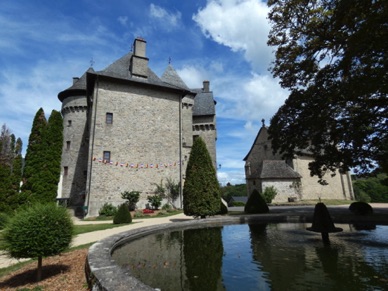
(65, 171)
(106, 156)
(109, 118)
(69, 123)
(68, 145)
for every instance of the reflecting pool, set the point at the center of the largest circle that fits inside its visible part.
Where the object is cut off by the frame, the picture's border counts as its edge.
(281, 256)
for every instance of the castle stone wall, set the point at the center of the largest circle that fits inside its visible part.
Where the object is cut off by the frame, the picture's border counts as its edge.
(75, 149)
(145, 132)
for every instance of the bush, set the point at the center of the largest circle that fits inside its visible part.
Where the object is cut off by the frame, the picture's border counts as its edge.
(155, 201)
(108, 210)
(4, 218)
(38, 231)
(360, 208)
(238, 203)
(138, 214)
(132, 197)
(256, 204)
(166, 207)
(123, 215)
(269, 194)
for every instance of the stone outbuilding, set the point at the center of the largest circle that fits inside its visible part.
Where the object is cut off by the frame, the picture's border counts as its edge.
(126, 129)
(290, 178)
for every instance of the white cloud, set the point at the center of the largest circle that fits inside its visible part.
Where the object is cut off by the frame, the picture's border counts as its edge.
(123, 20)
(165, 18)
(240, 25)
(193, 76)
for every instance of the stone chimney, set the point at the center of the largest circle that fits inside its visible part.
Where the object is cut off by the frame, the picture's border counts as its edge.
(139, 62)
(206, 86)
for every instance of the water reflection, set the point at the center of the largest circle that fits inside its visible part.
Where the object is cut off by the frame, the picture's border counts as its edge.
(259, 257)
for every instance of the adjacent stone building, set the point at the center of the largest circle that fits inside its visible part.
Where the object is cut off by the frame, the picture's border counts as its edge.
(127, 129)
(292, 178)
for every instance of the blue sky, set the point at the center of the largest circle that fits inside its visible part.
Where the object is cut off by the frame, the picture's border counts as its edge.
(44, 43)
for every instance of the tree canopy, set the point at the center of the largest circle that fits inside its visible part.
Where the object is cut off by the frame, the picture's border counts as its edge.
(332, 57)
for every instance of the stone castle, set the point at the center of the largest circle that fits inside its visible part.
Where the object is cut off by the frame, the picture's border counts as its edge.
(291, 178)
(126, 129)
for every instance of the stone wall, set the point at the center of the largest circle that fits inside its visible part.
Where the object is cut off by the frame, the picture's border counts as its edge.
(75, 149)
(144, 132)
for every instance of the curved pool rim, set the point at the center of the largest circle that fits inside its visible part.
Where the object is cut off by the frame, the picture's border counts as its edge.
(102, 272)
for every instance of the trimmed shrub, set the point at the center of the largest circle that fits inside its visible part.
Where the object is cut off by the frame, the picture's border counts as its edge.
(361, 208)
(269, 194)
(108, 210)
(201, 191)
(256, 204)
(123, 215)
(38, 231)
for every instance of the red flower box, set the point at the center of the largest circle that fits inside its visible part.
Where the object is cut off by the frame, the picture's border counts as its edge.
(147, 211)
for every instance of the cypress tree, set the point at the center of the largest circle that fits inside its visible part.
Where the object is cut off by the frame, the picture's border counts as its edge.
(34, 160)
(201, 191)
(52, 146)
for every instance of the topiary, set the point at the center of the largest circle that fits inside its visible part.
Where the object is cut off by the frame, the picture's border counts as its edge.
(201, 191)
(123, 215)
(38, 231)
(155, 201)
(132, 197)
(361, 208)
(256, 204)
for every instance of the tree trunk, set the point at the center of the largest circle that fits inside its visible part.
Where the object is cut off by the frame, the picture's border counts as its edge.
(39, 271)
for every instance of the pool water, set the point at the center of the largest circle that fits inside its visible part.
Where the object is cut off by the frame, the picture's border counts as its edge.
(281, 256)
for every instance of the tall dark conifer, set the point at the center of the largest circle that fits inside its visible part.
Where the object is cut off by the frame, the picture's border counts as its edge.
(201, 191)
(53, 142)
(34, 160)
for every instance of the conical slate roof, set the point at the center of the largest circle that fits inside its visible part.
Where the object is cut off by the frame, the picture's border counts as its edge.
(78, 87)
(170, 76)
(204, 103)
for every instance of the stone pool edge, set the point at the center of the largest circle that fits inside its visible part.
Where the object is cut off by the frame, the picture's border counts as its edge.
(102, 273)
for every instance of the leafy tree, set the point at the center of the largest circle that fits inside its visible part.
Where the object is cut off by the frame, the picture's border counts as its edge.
(331, 57)
(373, 187)
(172, 189)
(10, 170)
(155, 201)
(132, 197)
(38, 231)
(233, 190)
(201, 191)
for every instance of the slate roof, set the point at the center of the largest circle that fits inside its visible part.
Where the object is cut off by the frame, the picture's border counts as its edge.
(204, 103)
(170, 76)
(277, 169)
(78, 87)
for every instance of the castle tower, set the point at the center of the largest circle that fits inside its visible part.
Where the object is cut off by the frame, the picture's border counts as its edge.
(75, 142)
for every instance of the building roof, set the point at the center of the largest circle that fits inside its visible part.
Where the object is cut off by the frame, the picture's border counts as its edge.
(170, 76)
(254, 142)
(277, 169)
(78, 87)
(204, 103)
